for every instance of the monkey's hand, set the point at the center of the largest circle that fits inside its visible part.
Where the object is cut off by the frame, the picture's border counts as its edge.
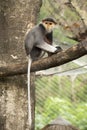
(59, 49)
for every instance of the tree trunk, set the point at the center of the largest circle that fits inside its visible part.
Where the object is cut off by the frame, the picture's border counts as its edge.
(16, 16)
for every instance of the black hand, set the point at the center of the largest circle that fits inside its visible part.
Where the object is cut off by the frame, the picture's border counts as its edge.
(58, 49)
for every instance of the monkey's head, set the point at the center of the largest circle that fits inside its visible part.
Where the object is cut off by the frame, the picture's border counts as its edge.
(49, 24)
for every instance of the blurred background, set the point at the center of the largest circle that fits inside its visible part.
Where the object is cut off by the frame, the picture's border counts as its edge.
(62, 91)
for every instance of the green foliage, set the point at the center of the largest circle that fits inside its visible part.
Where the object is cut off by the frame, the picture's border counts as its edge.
(55, 97)
(44, 12)
(60, 36)
(76, 114)
(71, 15)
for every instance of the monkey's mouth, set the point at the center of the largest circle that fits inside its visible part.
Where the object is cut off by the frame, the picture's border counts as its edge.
(49, 30)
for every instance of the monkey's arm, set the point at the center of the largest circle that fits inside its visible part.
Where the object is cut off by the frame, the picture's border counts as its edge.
(46, 47)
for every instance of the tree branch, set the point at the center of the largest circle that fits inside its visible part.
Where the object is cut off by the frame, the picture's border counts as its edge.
(63, 57)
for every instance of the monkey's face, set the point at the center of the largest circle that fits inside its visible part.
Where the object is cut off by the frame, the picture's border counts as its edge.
(49, 26)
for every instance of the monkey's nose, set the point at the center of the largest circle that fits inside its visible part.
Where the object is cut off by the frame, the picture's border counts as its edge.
(48, 27)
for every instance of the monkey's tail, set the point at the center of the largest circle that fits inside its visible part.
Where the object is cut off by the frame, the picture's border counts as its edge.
(29, 93)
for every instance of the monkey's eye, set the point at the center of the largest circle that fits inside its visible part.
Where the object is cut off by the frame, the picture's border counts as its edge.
(50, 23)
(46, 23)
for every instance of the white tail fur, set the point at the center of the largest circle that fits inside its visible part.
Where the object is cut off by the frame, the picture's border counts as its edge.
(29, 93)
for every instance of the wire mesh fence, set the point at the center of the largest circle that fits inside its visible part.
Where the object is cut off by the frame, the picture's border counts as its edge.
(61, 95)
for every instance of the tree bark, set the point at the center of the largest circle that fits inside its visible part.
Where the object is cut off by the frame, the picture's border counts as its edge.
(55, 60)
(16, 16)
